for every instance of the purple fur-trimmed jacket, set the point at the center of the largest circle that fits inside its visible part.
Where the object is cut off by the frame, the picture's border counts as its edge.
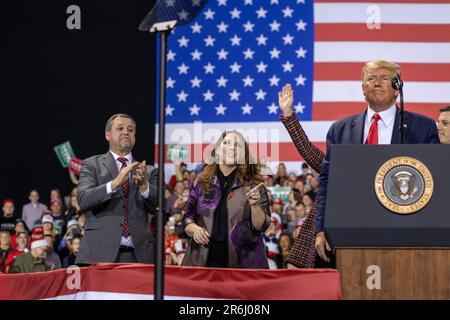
(245, 244)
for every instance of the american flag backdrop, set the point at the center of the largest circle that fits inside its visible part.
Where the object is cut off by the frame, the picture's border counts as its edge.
(226, 67)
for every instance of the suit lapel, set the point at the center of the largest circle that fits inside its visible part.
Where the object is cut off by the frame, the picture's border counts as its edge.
(406, 125)
(358, 129)
(396, 129)
(133, 187)
(110, 164)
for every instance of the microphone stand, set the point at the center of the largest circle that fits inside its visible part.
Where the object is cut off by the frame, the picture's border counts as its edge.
(397, 84)
(162, 29)
(402, 114)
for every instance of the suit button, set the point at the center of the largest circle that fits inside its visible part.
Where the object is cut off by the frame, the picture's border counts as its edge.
(121, 224)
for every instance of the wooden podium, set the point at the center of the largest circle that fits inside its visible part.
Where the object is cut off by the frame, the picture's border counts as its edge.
(404, 273)
(381, 254)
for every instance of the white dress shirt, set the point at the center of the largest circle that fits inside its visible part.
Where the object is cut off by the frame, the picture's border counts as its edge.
(124, 241)
(385, 124)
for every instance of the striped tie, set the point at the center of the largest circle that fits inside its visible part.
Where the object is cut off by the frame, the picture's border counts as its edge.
(126, 193)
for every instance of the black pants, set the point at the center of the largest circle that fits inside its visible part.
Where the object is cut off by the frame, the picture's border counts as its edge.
(217, 255)
(322, 264)
(126, 257)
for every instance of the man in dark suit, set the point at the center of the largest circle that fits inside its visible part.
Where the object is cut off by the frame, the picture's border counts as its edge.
(444, 125)
(119, 193)
(378, 124)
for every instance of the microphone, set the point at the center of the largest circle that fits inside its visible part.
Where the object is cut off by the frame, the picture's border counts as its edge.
(397, 83)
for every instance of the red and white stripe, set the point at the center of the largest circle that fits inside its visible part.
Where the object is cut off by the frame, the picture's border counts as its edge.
(135, 281)
(412, 33)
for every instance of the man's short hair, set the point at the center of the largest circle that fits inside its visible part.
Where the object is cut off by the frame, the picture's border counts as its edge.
(290, 208)
(118, 115)
(22, 232)
(49, 235)
(299, 203)
(379, 64)
(445, 109)
(5, 232)
(76, 236)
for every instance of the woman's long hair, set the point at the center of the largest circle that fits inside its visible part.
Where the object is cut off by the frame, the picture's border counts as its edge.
(247, 171)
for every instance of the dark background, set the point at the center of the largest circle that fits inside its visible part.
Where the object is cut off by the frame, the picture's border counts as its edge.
(60, 84)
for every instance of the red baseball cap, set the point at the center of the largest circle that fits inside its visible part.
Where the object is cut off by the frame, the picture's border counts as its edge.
(8, 200)
(278, 201)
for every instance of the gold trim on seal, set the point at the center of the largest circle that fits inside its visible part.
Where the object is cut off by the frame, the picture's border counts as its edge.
(410, 208)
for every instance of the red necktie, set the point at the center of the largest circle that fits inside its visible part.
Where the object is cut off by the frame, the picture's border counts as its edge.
(126, 193)
(372, 137)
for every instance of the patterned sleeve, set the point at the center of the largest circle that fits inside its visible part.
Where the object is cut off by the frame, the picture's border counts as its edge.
(310, 153)
(191, 204)
(303, 252)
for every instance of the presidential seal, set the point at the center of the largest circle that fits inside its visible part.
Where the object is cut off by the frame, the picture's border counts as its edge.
(404, 185)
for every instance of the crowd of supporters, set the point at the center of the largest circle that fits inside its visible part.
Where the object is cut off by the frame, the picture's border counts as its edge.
(287, 215)
(48, 236)
(49, 233)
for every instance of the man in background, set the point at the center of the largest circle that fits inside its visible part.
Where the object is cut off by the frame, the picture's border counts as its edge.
(444, 125)
(5, 248)
(32, 211)
(8, 219)
(52, 260)
(32, 261)
(119, 192)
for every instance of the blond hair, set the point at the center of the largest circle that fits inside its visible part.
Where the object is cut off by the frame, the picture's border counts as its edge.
(379, 64)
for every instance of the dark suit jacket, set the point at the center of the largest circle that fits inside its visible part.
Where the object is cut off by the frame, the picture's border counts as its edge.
(418, 129)
(103, 230)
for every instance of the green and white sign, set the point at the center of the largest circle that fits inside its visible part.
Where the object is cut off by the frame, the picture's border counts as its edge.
(64, 152)
(280, 192)
(177, 152)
